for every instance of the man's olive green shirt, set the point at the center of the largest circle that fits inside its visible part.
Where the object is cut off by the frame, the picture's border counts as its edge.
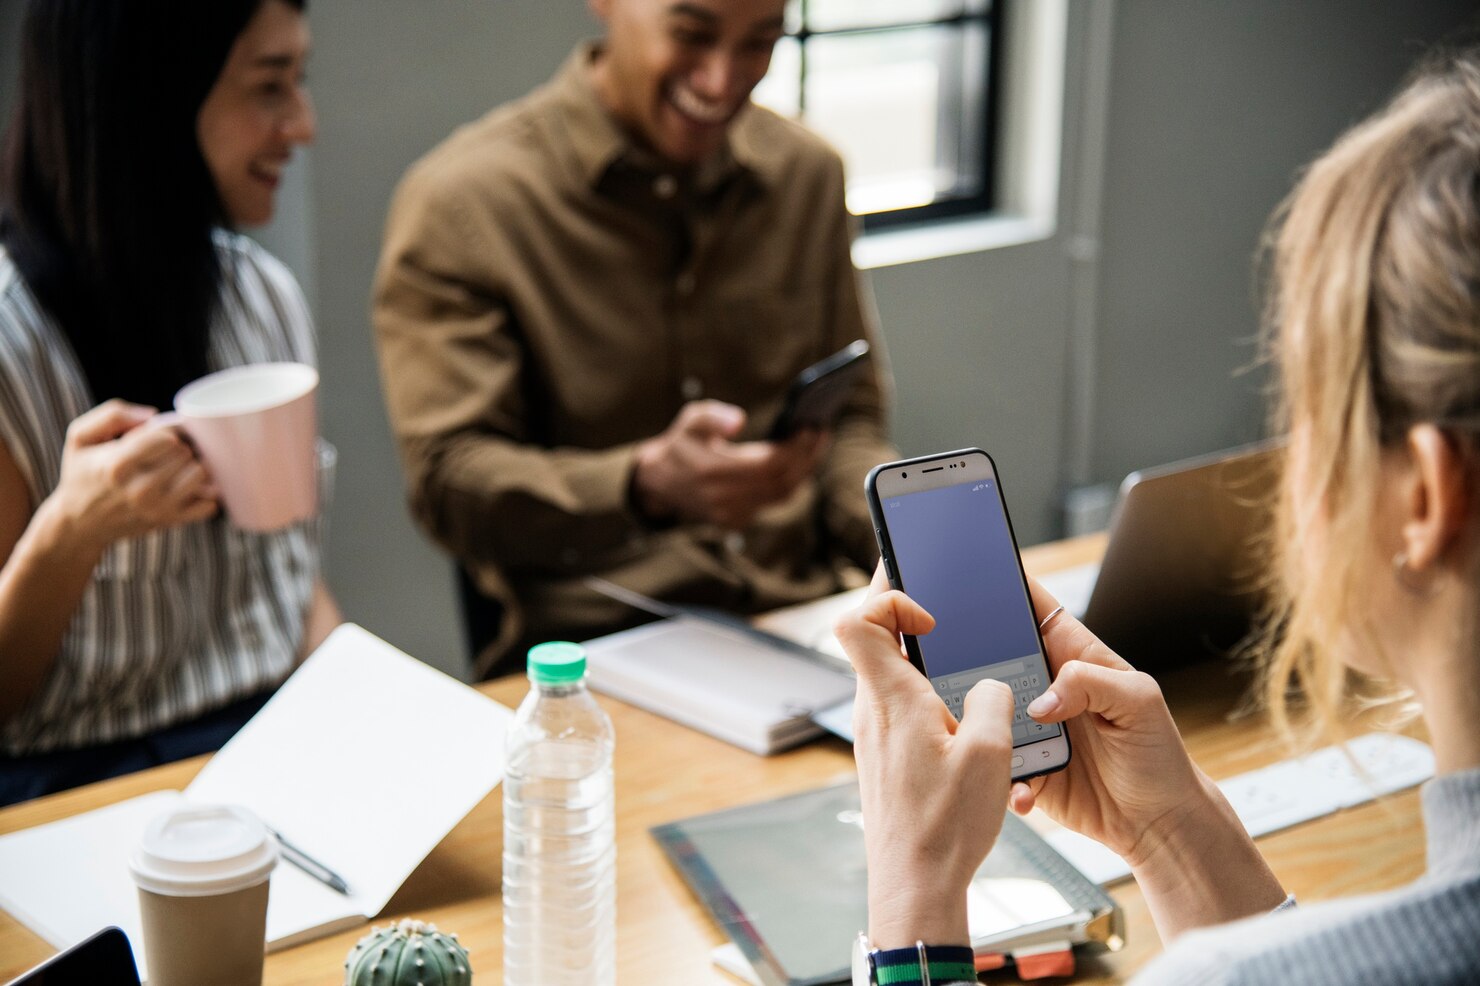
(549, 295)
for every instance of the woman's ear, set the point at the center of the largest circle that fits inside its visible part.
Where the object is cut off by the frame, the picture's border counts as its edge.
(1437, 502)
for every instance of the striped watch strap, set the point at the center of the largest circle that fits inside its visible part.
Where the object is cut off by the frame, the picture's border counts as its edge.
(946, 964)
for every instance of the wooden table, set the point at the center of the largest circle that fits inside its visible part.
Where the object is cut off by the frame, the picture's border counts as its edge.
(664, 772)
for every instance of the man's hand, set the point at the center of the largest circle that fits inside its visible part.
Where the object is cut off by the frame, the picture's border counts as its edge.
(694, 471)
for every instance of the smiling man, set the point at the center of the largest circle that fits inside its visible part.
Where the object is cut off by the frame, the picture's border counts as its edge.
(589, 306)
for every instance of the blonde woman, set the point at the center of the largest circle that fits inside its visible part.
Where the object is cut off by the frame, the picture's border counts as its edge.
(1374, 331)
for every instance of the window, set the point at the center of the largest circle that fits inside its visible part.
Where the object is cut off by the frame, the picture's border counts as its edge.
(904, 90)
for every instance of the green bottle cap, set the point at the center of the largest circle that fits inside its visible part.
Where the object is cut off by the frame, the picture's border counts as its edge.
(558, 662)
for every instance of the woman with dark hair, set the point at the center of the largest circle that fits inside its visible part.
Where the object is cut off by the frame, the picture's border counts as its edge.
(136, 624)
(1374, 335)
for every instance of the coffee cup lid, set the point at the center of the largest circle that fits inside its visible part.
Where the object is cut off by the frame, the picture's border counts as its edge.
(203, 850)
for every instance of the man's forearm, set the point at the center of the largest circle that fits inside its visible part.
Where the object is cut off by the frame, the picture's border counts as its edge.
(508, 503)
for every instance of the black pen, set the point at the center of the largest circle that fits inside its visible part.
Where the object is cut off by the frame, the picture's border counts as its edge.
(311, 866)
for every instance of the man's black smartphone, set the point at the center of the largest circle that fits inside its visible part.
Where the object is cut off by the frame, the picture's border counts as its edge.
(946, 540)
(818, 393)
(105, 959)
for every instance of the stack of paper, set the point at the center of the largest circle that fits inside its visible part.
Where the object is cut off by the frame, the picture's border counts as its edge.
(329, 763)
(718, 680)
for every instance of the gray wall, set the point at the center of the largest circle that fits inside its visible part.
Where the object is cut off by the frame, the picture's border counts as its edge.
(1212, 107)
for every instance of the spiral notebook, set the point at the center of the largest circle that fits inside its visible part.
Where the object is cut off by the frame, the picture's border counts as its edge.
(786, 881)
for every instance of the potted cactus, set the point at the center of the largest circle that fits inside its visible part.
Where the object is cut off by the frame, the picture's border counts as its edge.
(408, 953)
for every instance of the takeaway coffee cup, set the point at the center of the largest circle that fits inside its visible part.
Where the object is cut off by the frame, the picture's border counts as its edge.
(255, 428)
(202, 874)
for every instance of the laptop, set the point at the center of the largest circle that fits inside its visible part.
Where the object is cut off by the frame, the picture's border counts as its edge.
(105, 959)
(1186, 565)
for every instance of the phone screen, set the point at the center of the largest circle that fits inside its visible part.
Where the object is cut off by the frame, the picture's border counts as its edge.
(952, 551)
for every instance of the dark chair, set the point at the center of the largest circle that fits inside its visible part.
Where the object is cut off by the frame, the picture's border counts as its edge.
(481, 617)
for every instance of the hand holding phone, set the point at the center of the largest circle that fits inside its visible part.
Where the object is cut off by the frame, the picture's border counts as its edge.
(933, 792)
(945, 539)
(697, 471)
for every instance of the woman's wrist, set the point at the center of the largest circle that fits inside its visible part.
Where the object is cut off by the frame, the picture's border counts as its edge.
(1199, 866)
(61, 531)
(900, 916)
(1179, 829)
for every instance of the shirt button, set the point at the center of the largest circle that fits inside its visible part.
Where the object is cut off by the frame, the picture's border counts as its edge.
(691, 388)
(685, 283)
(665, 186)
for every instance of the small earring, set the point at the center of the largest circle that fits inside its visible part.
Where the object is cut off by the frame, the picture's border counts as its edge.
(1409, 580)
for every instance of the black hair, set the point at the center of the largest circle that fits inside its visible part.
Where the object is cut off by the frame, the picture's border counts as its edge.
(108, 206)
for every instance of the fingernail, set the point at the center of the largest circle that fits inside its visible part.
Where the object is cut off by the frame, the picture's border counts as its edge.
(1043, 705)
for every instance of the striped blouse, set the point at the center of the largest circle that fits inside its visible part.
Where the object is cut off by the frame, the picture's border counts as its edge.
(181, 621)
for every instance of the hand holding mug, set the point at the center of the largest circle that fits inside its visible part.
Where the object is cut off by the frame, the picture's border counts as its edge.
(121, 480)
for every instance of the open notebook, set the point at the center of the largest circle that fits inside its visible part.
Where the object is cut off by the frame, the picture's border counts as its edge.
(365, 759)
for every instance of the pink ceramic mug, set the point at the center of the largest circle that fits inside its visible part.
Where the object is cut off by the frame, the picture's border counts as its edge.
(255, 428)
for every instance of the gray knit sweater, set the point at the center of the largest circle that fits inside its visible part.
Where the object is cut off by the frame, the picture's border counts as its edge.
(1427, 932)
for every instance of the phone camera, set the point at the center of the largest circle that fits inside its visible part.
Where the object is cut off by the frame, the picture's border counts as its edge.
(904, 475)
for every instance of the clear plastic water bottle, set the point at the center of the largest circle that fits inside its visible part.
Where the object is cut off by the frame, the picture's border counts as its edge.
(560, 852)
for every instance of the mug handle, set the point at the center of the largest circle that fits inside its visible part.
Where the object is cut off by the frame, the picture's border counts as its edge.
(164, 419)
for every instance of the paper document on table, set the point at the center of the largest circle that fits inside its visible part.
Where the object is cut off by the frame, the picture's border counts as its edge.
(363, 726)
(1286, 793)
(329, 762)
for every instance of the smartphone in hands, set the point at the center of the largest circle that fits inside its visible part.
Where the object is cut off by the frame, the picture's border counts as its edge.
(945, 539)
(819, 392)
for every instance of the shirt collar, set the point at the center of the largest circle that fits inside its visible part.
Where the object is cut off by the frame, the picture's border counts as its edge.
(596, 141)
